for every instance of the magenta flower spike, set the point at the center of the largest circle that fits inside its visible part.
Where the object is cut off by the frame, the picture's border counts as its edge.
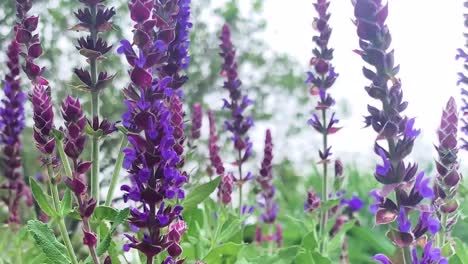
(197, 115)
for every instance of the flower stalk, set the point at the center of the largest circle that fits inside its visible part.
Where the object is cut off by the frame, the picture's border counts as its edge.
(237, 104)
(321, 79)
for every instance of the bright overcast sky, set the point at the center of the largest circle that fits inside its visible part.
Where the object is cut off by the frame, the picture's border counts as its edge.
(426, 34)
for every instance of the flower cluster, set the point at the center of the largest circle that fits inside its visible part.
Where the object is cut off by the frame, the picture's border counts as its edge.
(11, 126)
(392, 127)
(42, 108)
(265, 181)
(155, 122)
(74, 142)
(197, 115)
(216, 161)
(463, 79)
(448, 177)
(94, 18)
(430, 255)
(239, 124)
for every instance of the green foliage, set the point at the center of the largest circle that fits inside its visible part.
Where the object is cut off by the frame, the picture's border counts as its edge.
(43, 200)
(45, 239)
(198, 194)
(118, 220)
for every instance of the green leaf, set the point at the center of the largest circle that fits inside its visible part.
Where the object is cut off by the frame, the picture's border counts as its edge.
(200, 193)
(448, 250)
(103, 212)
(217, 254)
(106, 241)
(320, 259)
(230, 228)
(304, 257)
(45, 239)
(462, 251)
(309, 242)
(66, 203)
(42, 199)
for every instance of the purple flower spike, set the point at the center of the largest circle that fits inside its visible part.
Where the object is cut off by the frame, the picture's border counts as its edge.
(75, 123)
(239, 124)
(213, 148)
(265, 180)
(448, 176)
(197, 114)
(11, 127)
(313, 201)
(155, 120)
(225, 189)
(396, 133)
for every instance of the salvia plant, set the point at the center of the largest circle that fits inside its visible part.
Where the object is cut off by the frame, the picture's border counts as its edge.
(186, 185)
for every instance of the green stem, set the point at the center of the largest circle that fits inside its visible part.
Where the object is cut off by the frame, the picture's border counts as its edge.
(407, 259)
(94, 113)
(115, 174)
(271, 245)
(241, 183)
(64, 159)
(324, 212)
(442, 233)
(61, 221)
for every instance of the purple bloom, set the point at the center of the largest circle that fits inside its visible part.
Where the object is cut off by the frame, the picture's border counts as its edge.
(393, 128)
(239, 124)
(381, 258)
(265, 181)
(154, 118)
(213, 148)
(404, 223)
(11, 126)
(313, 201)
(197, 114)
(354, 204)
(430, 255)
(225, 189)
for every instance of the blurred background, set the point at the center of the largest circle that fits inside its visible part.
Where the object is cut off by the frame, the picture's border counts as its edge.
(274, 44)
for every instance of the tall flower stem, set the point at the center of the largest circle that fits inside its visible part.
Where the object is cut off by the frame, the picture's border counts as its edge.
(116, 173)
(61, 221)
(241, 183)
(324, 213)
(407, 259)
(94, 113)
(69, 172)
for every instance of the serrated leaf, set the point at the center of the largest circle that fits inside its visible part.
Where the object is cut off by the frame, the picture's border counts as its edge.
(118, 220)
(45, 239)
(66, 203)
(103, 212)
(217, 254)
(200, 193)
(42, 199)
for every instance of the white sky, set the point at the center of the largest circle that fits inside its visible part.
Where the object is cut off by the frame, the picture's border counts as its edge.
(426, 34)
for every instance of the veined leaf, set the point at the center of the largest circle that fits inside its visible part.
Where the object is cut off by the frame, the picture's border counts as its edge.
(45, 239)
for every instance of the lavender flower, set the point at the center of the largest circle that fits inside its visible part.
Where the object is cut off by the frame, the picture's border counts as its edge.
(265, 180)
(430, 255)
(397, 130)
(322, 78)
(313, 201)
(197, 114)
(448, 176)
(11, 126)
(239, 124)
(75, 139)
(216, 161)
(463, 55)
(155, 122)
(225, 189)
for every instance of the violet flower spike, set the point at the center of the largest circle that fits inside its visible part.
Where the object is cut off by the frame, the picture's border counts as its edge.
(155, 121)
(463, 82)
(448, 176)
(197, 115)
(392, 127)
(213, 148)
(239, 124)
(321, 78)
(11, 127)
